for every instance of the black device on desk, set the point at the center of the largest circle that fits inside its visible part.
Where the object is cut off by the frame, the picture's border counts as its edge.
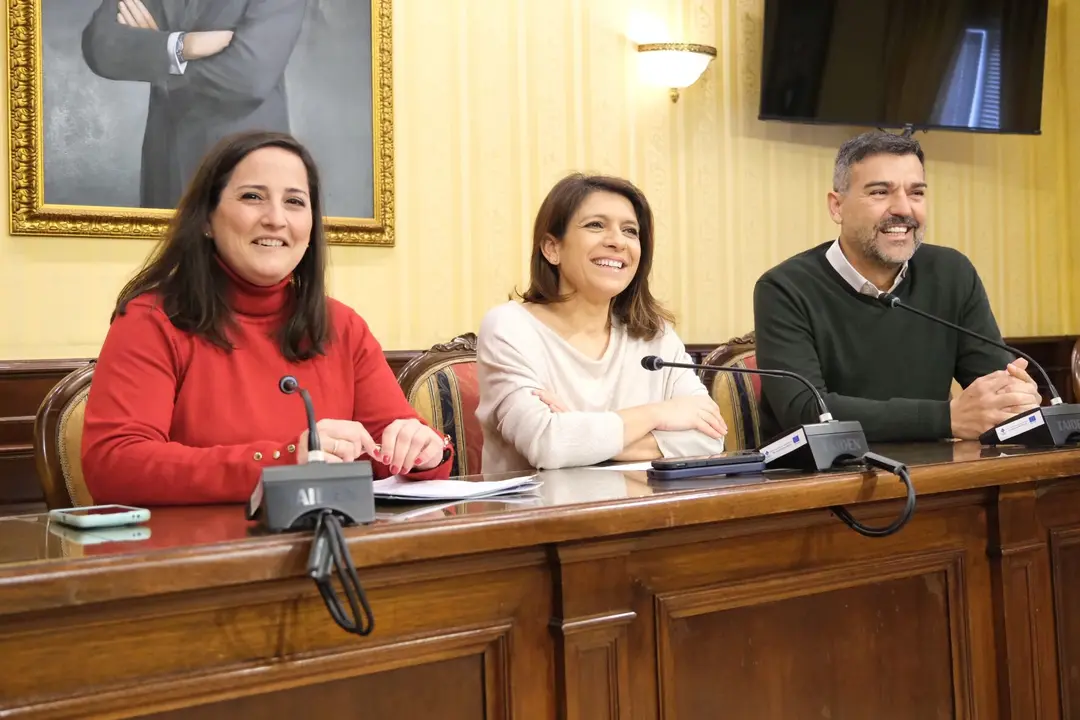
(815, 447)
(328, 497)
(725, 463)
(810, 447)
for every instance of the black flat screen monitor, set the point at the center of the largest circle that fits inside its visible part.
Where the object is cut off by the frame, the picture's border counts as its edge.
(972, 65)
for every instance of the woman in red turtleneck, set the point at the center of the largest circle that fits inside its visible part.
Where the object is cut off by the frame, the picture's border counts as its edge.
(184, 407)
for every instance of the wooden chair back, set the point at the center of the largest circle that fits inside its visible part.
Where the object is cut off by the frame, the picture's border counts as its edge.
(738, 396)
(58, 430)
(443, 387)
(1075, 364)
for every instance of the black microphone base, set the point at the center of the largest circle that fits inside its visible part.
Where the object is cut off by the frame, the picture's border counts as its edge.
(1050, 426)
(816, 446)
(290, 497)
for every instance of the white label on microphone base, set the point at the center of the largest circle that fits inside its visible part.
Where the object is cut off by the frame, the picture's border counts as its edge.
(1020, 425)
(256, 499)
(779, 448)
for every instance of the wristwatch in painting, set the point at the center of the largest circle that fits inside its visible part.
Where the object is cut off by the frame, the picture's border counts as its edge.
(180, 48)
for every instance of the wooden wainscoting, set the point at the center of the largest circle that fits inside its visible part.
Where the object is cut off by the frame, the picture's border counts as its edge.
(1059, 515)
(24, 384)
(455, 638)
(728, 615)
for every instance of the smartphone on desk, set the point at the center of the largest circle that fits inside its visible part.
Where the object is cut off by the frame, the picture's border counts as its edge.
(99, 516)
(95, 536)
(725, 463)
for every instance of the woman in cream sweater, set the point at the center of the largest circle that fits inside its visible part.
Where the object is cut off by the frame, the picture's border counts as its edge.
(561, 381)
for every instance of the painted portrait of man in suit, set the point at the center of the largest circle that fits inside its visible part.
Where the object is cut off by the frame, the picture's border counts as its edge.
(137, 91)
(214, 67)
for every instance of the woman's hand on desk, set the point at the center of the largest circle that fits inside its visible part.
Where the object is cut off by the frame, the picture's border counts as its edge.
(340, 440)
(691, 412)
(409, 444)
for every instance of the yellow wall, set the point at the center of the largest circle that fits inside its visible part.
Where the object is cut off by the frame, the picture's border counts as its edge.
(496, 99)
(1070, 72)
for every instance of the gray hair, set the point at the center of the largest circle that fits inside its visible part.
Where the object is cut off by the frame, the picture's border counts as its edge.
(874, 142)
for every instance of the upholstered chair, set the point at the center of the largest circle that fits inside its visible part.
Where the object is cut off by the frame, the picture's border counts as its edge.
(442, 386)
(738, 395)
(1074, 362)
(58, 430)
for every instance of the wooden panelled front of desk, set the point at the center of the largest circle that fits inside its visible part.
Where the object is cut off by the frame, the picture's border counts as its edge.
(607, 599)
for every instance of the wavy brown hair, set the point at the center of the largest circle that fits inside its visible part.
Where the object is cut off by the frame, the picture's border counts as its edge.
(192, 286)
(635, 307)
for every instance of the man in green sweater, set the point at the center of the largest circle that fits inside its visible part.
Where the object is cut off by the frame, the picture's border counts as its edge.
(817, 314)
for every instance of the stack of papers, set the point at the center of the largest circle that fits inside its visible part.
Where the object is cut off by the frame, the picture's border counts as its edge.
(400, 510)
(396, 488)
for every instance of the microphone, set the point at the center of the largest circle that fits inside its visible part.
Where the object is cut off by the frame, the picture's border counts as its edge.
(819, 446)
(289, 497)
(891, 301)
(323, 497)
(1053, 426)
(812, 447)
(652, 362)
(288, 385)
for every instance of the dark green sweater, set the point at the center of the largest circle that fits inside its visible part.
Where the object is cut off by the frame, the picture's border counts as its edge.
(887, 368)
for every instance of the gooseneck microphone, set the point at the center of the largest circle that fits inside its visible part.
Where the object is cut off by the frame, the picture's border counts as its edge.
(323, 497)
(891, 301)
(652, 362)
(1053, 426)
(819, 446)
(289, 385)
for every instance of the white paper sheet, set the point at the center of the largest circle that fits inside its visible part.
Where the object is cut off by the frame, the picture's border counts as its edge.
(395, 488)
(627, 467)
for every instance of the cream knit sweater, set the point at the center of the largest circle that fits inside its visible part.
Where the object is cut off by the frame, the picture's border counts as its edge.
(517, 354)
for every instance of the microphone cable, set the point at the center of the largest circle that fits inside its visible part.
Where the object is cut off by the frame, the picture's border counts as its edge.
(901, 471)
(330, 551)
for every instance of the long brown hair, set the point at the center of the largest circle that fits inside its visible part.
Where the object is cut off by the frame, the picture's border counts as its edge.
(185, 273)
(635, 306)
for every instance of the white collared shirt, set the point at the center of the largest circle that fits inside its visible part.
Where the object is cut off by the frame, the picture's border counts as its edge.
(835, 256)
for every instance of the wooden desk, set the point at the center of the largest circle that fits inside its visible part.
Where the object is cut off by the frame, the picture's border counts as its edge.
(605, 598)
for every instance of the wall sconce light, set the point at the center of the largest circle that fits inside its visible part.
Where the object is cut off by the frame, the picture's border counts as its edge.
(675, 65)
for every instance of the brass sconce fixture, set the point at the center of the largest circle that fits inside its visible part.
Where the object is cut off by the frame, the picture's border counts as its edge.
(675, 65)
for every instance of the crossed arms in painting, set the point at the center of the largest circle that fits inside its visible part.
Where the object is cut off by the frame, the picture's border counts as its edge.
(241, 61)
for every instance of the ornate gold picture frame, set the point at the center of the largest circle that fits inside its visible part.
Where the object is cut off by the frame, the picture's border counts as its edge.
(86, 89)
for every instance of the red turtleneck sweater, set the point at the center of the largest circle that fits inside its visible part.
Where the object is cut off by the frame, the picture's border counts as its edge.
(174, 420)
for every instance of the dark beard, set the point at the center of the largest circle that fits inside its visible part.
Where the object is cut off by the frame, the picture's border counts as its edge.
(872, 250)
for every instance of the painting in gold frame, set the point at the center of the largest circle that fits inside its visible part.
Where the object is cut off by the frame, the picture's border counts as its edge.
(87, 87)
